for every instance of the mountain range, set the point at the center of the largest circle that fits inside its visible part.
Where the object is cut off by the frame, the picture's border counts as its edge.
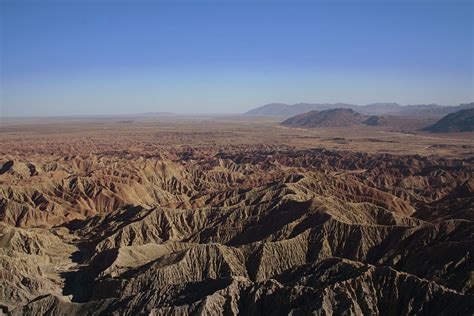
(288, 110)
(460, 121)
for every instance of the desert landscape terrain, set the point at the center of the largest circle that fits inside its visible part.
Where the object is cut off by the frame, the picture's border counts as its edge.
(236, 157)
(234, 215)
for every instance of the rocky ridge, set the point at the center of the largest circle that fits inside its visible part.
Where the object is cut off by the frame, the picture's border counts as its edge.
(240, 231)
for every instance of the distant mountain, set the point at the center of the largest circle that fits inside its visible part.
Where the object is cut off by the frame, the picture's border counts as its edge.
(376, 120)
(281, 109)
(288, 110)
(460, 121)
(339, 117)
(271, 109)
(424, 109)
(378, 108)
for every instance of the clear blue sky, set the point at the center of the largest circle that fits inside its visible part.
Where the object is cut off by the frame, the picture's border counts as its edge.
(101, 57)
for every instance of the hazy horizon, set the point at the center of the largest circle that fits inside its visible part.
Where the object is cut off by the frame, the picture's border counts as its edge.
(165, 114)
(209, 57)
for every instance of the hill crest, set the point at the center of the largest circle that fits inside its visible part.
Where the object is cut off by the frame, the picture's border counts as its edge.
(339, 117)
(460, 121)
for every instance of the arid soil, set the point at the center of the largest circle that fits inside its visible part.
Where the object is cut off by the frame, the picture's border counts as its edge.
(233, 216)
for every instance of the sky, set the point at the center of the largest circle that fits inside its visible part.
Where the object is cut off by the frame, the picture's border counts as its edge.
(99, 57)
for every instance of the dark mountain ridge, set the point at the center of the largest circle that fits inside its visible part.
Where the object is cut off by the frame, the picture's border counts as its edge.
(460, 121)
(338, 117)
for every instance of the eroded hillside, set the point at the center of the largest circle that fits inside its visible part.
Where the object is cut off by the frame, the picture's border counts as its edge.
(249, 229)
